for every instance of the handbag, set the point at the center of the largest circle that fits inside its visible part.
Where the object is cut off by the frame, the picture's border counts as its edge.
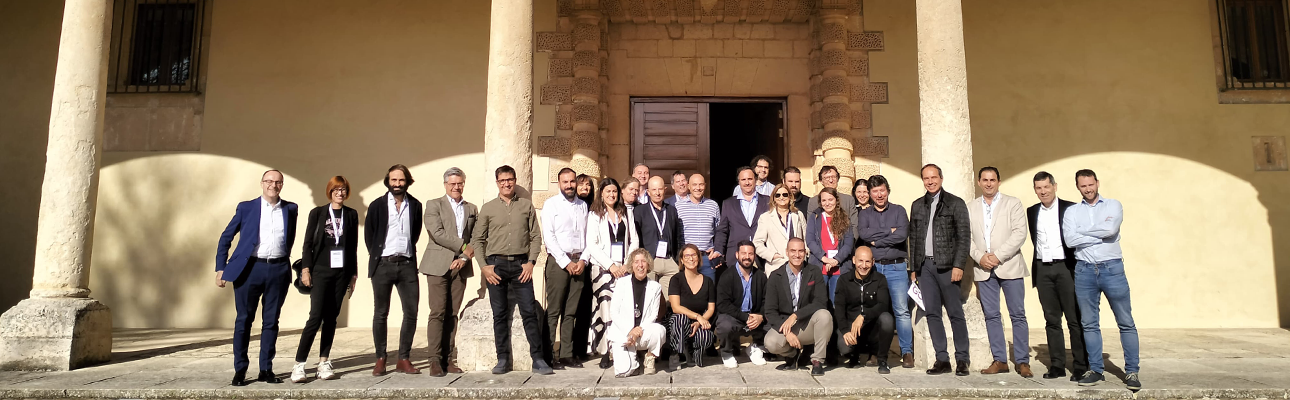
(298, 266)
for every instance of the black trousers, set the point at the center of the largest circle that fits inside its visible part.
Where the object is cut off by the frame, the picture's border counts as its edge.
(325, 298)
(1056, 286)
(508, 293)
(402, 276)
(563, 296)
(729, 329)
(875, 337)
(939, 291)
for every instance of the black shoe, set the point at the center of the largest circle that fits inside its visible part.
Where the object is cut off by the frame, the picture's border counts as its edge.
(1076, 375)
(502, 368)
(674, 362)
(1091, 378)
(790, 363)
(962, 370)
(239, 379)
(883, 368)
(569, 363)
(269, 377)
(606, 362)
(1131, 381)
(853, 362)
(1054, 373)
(940, 367)
(817, 369)
(540, 368)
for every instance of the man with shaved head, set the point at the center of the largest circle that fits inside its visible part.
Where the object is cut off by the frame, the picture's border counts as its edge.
(661, 233)
(862, 313)
(699, 216)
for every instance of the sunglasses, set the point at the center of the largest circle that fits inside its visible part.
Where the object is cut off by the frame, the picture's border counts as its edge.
(778, 195)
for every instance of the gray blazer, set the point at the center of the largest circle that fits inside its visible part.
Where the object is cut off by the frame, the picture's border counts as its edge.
(445, 245)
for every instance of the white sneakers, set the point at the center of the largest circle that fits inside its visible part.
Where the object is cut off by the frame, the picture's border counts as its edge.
(649, 363)
(298, 373)
(325, 371)
(729, 360)
(755, 354)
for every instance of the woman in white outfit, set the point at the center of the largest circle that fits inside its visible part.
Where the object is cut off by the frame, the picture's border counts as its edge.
(635, 312)
(611, 236)
(776, 227)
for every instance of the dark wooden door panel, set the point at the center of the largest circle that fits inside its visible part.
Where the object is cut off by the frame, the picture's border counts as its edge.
(670, 136)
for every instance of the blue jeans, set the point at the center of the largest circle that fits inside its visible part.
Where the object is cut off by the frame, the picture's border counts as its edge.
(705, 267)
(1091, 281)
(898, 285)
(833, 285)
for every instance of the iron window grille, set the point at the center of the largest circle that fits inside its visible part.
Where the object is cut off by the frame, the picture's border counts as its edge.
(1254, 41)
(157, 46)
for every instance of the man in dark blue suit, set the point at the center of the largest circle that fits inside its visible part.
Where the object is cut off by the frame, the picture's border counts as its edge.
(259, 270)
(739, 216)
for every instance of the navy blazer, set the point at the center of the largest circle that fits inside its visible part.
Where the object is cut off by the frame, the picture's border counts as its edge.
(812, 296)
(647, 230)
(733, 228)
(846, 244)
(246, 223)
(1032, 215)
(378, 220)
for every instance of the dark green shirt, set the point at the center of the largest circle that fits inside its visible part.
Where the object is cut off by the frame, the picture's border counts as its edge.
(507, 229)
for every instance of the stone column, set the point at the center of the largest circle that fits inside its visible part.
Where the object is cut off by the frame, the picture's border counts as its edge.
(947, 142)
(60, 327)
(508, 128)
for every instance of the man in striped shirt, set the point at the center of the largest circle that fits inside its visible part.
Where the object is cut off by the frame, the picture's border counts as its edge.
(699, 218)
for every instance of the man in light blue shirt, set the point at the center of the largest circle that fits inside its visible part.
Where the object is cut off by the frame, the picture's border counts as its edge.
(1092, 228)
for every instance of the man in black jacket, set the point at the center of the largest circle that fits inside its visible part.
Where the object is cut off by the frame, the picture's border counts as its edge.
(391, 231)
(660, 230)
(862, 309)
(1053, 272)
(940, 234)
(739, 307)
(796, 308)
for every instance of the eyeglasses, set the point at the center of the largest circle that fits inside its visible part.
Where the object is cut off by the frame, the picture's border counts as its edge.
(271, 182)
(342, 190)
(507, 180)
(778, 195)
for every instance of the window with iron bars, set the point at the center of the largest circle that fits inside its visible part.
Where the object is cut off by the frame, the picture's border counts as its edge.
(1254, 40)
(156, 46)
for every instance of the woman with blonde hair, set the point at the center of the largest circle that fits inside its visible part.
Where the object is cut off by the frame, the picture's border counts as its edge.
(776, 226)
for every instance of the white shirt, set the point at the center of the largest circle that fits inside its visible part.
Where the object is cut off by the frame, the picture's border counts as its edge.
(794, 283)
(459, 208)
(564, 228)
(1048, 235)
(272, 231)
(987, 209)
(764, 188)
(397, 235)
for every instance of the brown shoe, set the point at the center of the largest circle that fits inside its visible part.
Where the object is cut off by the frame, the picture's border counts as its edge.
(995, 368)
(907, 360)
(379, 369)
(1023, 369)
(452, 368)
(405, 366)
(436, 370)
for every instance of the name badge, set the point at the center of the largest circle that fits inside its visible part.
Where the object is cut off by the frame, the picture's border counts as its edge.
(338, 258)
(616, 252)
(831, 253)
(662, 249)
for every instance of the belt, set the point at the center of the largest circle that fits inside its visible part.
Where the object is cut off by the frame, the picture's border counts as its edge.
(889, 261)
(1054, 262)
(395, 259)
(574, 256)
(510, 257)
(271, 260)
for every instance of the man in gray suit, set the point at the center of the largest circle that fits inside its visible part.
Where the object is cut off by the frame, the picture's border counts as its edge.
(449, 220)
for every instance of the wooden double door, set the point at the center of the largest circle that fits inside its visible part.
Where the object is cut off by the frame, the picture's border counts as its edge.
(710, 136)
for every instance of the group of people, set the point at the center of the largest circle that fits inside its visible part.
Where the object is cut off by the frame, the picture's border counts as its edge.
(810, 280)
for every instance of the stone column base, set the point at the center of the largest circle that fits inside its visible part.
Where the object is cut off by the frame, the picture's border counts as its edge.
(476, 345)
(978, 342)
(55, 334)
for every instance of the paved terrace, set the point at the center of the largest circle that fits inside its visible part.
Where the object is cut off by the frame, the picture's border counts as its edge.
(187, 364)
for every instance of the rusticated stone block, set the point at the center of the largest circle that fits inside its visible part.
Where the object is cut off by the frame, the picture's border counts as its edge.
(756, 7)
(864, 171)
(555, 94)
(586, 60)
(586, 87)
(803, 10)
(585, 166)
(836, 112)
(861, 119)
(584, 33)
(864, 41)
(552, 146)
(846, 167)
(586, 114)
(554, 41)
(834, 59)
(589, 140)
(559, 68)
(563, 120)
(612, 8)
(813, 63)
(872, 146)
(870, 93)
(816, 95)
(832, 33)
(816, 122)
(836, 140)
(636, 8)
(732, 10)
(564, 8)
(835, 86)
(858, 66)
(554, 165)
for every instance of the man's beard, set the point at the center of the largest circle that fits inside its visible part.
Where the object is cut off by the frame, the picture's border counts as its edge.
(398, 190)
(569, 194)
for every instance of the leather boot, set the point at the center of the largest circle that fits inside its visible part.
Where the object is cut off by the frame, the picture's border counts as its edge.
(1023, 369)
(379, 369)
(907, 361)
(405, 366)
(995, 368)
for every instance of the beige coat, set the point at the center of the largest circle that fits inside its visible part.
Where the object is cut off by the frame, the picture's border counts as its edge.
(1007, 234)
(770, 238)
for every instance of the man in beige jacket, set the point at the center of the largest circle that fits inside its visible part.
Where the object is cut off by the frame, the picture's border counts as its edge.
(998, 231)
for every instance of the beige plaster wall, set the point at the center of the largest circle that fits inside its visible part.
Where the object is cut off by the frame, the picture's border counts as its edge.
(314, 88)
(1126, 89)
(29, 48)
